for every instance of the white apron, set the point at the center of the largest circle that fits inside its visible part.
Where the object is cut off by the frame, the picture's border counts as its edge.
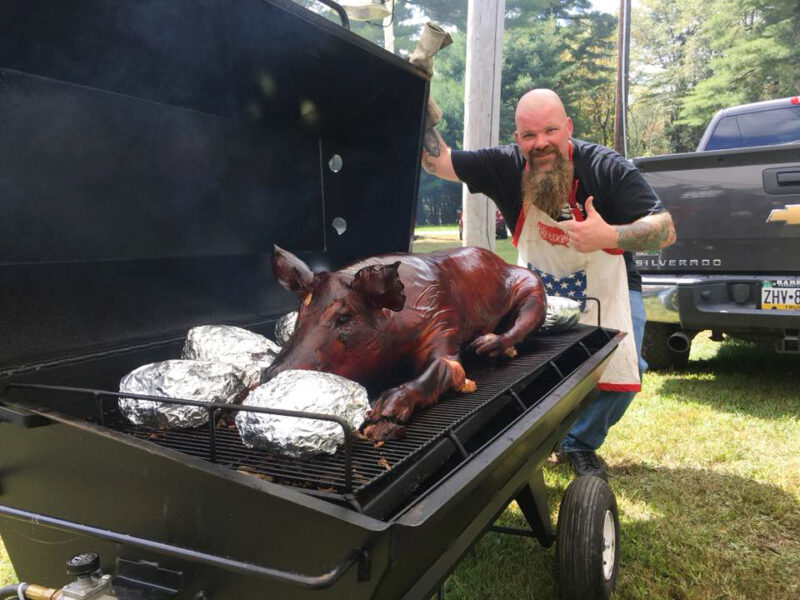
(542, 246)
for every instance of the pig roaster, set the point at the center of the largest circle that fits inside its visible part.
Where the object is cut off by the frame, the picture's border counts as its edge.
(151, 154)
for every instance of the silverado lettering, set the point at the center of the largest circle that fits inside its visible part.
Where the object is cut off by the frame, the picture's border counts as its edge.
(679, 262)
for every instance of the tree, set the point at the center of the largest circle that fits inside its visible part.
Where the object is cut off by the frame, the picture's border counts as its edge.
(667, 62)
(755, 55)
(591, 87)
(694, 57)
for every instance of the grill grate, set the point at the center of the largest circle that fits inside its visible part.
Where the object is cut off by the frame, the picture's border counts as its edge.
(377, 478)
(376, 465)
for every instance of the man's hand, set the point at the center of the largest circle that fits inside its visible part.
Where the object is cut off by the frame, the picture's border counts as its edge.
(593, 233)
(648, 233)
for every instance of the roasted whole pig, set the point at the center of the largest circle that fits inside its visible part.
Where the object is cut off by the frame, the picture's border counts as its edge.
(399, 323)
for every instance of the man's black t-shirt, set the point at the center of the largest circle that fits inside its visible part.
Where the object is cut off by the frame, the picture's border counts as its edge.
(621, 195)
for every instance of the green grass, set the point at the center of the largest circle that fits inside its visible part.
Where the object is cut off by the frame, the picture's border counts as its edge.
(706, 473)
(431, 239)
(433, 228)
(706, 470)
(6, 571)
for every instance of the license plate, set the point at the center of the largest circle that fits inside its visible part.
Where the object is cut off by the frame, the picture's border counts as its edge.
(780, 294)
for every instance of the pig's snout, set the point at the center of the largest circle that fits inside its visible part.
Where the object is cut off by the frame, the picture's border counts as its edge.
(384, 430)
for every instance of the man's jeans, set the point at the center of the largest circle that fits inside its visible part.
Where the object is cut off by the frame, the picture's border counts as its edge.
(607, 408)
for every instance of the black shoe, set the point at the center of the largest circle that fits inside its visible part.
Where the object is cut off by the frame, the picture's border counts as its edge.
(586, 462)
(558, 456)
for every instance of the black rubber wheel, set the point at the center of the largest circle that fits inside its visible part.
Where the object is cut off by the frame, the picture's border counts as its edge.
(587, 540)
(656, 351)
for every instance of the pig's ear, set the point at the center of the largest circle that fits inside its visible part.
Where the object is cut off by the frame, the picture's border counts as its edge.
(291, 272)
(380, 285)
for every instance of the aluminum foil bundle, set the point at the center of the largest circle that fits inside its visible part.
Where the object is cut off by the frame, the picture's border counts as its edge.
(285, 327)
(249, 352)
(201, 381)
(562, 314)
(305, 391)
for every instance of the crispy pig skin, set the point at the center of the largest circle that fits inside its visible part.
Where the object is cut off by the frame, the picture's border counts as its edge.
(413, 313)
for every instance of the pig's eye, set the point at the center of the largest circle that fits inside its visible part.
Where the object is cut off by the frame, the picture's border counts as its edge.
(343, 319)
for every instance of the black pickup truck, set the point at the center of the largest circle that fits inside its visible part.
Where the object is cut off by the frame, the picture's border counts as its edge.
(735, 269)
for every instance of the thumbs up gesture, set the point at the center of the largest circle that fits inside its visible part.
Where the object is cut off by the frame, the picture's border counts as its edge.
(593, 233)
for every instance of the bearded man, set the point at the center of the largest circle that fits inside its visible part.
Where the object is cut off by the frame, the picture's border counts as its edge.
(578, 210)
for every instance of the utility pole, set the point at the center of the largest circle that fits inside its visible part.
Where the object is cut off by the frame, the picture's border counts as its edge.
(482, 108)
(388, 30)
(621, 105)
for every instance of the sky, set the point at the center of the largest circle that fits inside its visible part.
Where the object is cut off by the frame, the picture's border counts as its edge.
(609, 6)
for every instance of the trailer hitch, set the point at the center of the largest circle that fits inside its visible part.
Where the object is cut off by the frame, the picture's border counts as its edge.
(314, 582)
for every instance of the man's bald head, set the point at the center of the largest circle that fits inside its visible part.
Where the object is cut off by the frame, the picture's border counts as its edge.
(543, 127)
(538, 101)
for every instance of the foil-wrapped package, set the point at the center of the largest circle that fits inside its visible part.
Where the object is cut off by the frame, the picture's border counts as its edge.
(249, 352)
(562, 314)
(284, 327)
(304, 391)
(201, 381)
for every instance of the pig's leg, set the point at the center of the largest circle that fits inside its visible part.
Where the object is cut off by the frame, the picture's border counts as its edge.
(530, 303)
(396, 405)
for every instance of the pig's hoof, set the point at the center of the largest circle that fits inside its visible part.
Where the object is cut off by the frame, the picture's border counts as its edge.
(490, 345)
(384, 430)
(457, 373)
(467, 387)
(395, 404)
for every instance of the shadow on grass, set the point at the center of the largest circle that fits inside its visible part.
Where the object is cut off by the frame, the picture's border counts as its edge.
(685, 533)
(743, 357)
(742, 378)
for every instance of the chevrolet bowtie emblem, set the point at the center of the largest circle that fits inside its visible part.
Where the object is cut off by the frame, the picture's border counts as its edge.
(790, 214)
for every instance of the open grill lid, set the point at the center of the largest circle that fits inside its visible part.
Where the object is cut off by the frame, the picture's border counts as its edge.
(153, 151)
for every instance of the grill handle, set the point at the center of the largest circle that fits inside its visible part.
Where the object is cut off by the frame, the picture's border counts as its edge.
(339, 11)
(99, 395)
(312, 582)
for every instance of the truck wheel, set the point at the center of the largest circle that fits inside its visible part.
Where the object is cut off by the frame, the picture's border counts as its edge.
(656, 351)
(587, 540)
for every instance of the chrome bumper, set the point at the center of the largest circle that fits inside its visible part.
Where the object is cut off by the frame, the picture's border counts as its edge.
(660, 297)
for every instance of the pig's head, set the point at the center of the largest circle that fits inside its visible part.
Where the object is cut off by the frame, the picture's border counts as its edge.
(342, 317)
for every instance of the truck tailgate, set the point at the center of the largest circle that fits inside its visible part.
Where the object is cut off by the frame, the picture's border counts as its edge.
(735, 211)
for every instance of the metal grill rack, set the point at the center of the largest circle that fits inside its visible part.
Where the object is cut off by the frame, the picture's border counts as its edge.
(377, 478)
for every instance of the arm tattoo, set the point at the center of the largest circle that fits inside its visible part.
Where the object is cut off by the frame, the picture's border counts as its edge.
(432, 143)
(648, 233)
(431, 149)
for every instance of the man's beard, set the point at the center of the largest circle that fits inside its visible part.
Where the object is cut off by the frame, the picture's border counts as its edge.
(548, 189)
